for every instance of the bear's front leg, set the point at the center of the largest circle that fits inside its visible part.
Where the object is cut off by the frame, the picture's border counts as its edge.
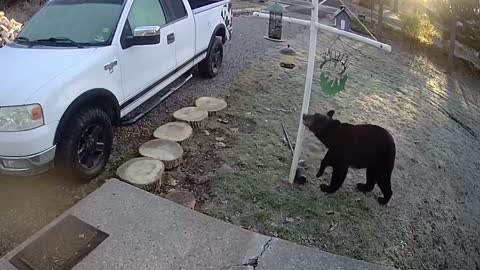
(325, 163)
(338, 177)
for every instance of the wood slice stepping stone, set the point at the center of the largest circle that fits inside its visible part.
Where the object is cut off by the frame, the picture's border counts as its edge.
(144, 172)
(179, 132)
(170, 153)
(194, 116)
(184, 198)
(211, 105)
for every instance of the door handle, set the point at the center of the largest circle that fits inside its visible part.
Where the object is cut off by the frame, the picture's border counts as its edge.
(170, 38)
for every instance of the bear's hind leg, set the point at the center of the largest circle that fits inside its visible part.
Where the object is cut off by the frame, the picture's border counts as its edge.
(386, 187)
(372, 176)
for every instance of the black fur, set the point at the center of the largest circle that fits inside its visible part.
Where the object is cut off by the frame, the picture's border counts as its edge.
(357, 146)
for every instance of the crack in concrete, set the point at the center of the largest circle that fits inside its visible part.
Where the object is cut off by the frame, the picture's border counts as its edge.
(253, 262)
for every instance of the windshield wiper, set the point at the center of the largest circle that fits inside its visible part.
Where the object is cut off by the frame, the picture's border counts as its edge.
(58, 40)
(22, 40)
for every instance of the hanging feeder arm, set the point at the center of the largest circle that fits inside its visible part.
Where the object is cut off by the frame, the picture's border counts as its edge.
(371, 42)
(302, 4)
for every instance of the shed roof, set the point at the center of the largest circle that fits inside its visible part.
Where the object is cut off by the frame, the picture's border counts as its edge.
(339, 11)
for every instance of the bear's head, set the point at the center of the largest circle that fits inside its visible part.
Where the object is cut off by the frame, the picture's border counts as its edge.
(318, 123)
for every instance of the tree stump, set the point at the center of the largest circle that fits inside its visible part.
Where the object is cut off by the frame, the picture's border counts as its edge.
(194, 116)
(170, 153)
(179, 132)
(184, 198)
(145, 173)
(211, 105)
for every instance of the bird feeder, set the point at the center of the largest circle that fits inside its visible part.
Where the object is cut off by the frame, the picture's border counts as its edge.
(342, 20)
(287, 60)
(275, 22)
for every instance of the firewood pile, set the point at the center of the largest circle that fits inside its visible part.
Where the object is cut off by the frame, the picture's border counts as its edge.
(9, 29)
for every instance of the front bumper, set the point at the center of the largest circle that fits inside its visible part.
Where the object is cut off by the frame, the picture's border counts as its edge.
(28, 165)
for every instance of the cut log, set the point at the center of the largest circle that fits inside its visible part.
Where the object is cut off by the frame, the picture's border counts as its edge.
(179, 132)
(211, 105)
(196, 117)
(170, 153)
(184, 198)
(144, 172)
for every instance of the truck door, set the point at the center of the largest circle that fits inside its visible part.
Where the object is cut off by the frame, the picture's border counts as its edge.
(182, 17)
(143, 66)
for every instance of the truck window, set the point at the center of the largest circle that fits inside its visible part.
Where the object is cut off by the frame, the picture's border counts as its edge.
(146, 13)
(67, 19)
(178, 9)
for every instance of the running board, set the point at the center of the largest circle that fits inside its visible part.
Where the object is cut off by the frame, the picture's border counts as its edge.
(174, 88)
(181, 83)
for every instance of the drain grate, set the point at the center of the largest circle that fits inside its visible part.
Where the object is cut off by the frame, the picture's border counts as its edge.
(61, 247)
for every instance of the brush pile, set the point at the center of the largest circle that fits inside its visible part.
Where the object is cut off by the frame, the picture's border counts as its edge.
(9, 29)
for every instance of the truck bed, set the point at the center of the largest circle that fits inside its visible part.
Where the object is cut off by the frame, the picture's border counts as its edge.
(195, 4)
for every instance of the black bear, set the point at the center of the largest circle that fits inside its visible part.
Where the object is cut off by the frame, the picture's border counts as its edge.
(357, 146)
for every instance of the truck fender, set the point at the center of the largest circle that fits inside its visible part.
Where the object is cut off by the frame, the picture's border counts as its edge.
(220, 31)
(100, 97)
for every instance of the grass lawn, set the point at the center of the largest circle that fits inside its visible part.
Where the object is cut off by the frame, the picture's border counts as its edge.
(430, 221)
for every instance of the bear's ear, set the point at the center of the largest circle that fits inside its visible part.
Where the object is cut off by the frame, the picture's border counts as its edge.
(331, 113)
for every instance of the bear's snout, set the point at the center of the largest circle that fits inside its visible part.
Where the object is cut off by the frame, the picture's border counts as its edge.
(316, 123)
(308, 120)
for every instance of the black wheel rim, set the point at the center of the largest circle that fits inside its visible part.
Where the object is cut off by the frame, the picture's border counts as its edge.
(91, 146)
(217, 59)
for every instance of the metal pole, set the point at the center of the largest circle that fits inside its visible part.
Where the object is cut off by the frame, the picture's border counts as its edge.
(308, 88)
(372, 5)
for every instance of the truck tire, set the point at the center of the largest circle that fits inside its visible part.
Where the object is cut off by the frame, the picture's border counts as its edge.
(86, 144)
(211, 65)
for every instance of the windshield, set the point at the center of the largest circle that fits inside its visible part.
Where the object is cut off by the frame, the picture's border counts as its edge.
(67, 22)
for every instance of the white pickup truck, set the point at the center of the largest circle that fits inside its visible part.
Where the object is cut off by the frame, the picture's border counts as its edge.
(79, 67)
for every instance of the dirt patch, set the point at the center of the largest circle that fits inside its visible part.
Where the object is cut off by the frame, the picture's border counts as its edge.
(200, 161)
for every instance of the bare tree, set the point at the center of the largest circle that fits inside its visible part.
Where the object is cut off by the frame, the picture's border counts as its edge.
(380, 18)
(451, 48)
(395, 6)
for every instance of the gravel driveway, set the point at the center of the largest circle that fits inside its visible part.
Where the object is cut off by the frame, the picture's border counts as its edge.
(28, 204)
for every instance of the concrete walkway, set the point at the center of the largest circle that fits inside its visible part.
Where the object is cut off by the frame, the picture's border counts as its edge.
(149, 232)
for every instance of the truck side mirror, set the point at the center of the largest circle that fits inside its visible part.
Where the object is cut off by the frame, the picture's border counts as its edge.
(144, 35)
